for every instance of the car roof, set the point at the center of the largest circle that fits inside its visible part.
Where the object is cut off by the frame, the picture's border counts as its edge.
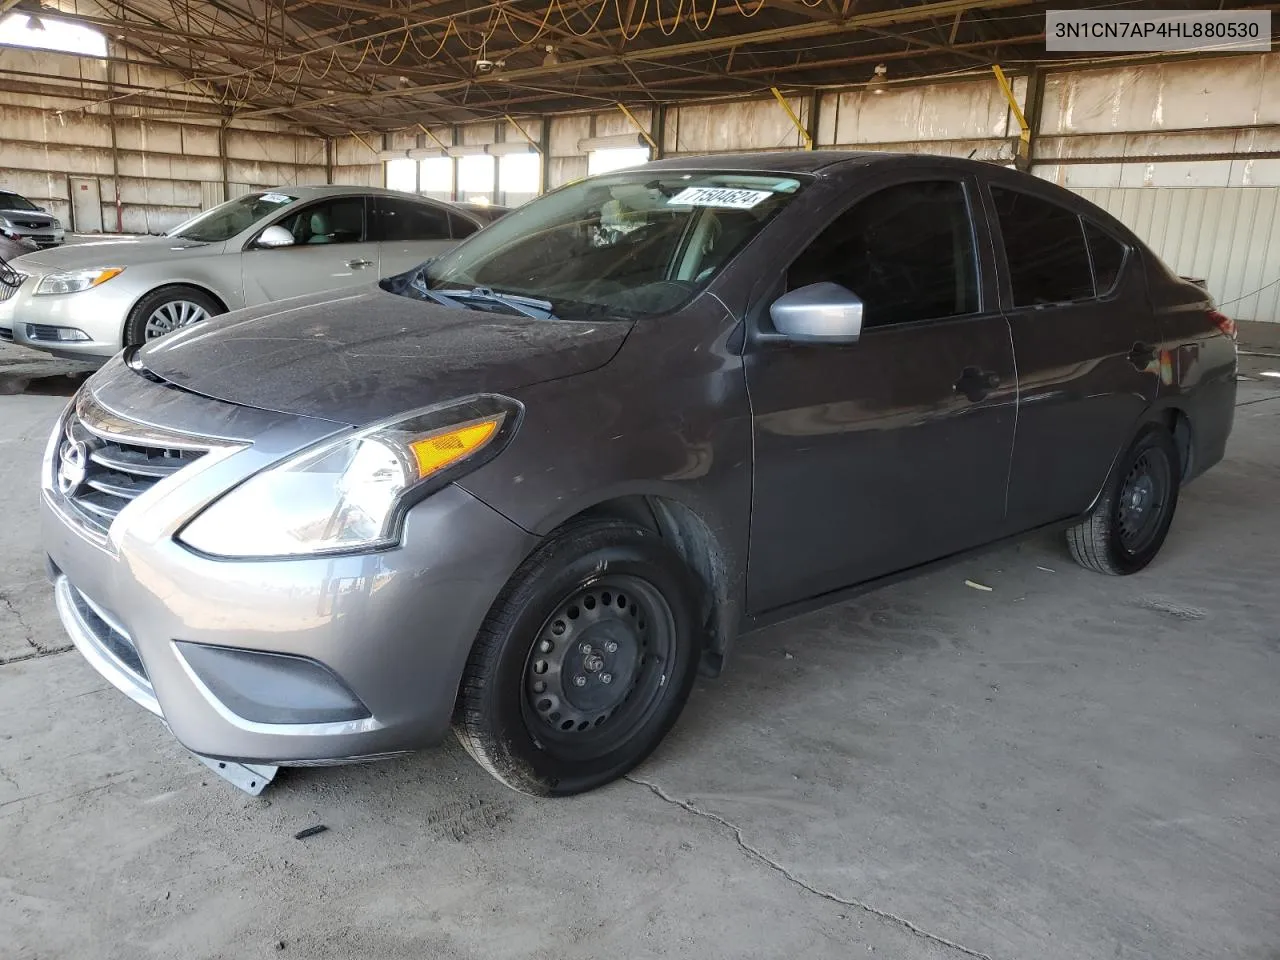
(805, 161)
(312, 191)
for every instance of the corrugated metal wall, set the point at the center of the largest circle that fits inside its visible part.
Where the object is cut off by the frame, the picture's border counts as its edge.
(156, 171)
(1226, 235)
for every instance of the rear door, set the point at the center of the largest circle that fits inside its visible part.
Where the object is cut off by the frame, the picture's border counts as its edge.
(330, 251)
(879, 455)
(408, 232)
(1086, 346)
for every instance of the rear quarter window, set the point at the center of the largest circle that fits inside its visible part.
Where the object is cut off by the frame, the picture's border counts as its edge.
(1045, 248)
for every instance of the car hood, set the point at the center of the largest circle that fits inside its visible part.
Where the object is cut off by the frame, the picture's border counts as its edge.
(32, 216)
(363, 356)
(115, 252)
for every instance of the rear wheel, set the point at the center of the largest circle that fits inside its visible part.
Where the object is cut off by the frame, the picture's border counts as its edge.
(584, 663)
(167, 309)
(1131, 520)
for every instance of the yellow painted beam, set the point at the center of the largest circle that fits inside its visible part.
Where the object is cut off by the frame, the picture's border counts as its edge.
(636, 123)
(1018, 115)
(438, 141)
(523, 132)
(808, 140)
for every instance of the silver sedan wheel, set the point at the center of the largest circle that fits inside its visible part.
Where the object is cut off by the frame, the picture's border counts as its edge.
(170, 316)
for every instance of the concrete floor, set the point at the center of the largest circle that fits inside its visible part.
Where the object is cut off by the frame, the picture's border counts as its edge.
(1068, 766)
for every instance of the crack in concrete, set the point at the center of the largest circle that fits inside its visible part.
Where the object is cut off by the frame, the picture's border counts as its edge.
(27, 635)
(756, 854)
(26, 630)
(1249, 403)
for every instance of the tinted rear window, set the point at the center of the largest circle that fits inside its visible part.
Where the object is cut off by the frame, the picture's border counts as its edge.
(1108, 256)
(1045, 247)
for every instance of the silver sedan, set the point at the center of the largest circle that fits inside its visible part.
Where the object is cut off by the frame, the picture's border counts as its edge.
(88, 300)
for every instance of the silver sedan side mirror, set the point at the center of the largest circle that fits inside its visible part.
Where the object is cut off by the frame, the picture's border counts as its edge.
(276, 236)
(821, 312)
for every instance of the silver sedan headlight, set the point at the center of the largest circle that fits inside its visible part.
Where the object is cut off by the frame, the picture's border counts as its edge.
(350, 493)
(75, 281)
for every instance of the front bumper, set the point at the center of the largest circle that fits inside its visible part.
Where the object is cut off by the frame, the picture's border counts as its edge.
(98, 313)
(393, 627)
(43, 237)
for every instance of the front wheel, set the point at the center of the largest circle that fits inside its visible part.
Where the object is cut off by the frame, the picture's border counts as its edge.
(167, 309)
(584, 662)
(1130, 522)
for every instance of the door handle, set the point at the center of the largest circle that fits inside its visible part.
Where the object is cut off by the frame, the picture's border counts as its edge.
(1141, 355)
(359, 264)
(975, 384)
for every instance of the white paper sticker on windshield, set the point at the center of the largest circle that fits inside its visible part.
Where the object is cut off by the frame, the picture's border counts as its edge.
(277, 198)
(718, 197)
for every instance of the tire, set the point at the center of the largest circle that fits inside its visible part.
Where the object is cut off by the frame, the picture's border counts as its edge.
(538, 707)
(180, 304)
(1130, 522)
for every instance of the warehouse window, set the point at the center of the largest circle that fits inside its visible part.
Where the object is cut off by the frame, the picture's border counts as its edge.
(519, 177)
(43, 33)
(1045, 247)
(403, 175)
(606, 161)
(435, 177)
(475, 178)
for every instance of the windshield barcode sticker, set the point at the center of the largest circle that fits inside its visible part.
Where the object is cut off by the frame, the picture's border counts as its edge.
(718, 197)
(276, 198)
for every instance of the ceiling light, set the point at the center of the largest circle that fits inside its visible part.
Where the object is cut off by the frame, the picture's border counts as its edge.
(552, 58)
(878, 83)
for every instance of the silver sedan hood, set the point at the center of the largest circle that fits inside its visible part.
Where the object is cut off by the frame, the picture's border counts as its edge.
(114, 252)
(364, 356)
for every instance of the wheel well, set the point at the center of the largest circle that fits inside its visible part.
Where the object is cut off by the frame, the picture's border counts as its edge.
(1180, 427)
(701, 551)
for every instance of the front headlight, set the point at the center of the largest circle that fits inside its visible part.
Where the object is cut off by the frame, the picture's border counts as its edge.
(75, 281)
(5, 224)
(349, 493)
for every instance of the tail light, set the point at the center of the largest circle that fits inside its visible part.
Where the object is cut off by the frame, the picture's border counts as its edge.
(1223, 323)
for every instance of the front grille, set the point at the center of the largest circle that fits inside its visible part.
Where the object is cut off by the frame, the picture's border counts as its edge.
(32, 224)
(8, 289)
(6, 335)
(109, 636)
(44, 242)
(101, 465)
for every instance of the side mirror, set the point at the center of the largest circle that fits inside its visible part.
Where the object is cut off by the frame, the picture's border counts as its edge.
(819, 313)
(273, 237)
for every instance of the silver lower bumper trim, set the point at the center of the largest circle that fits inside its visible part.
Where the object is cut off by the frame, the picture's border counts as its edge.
(136, 688)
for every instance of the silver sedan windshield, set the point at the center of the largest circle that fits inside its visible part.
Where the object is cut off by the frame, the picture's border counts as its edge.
(228, 219)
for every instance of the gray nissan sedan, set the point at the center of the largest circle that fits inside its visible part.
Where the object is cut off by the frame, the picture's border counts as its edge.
(528, 490)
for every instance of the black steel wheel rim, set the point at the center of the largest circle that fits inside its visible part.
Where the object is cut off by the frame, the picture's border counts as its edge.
(599, 666)
(1144, 498)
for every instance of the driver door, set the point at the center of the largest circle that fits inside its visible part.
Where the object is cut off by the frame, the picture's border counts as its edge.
(330, 251)
(876, 456)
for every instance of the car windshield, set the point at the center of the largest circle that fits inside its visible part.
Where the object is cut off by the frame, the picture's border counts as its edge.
(630, 244)
(11, 201)
(227, 219)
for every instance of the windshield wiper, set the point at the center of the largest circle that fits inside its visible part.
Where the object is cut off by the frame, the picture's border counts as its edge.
(526, 306)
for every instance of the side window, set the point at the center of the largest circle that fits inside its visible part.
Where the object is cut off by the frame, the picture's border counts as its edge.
(1107, 254)
(1045, 247)
(462, 227)
(907, 251)
(338, 220)
(403, 220)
